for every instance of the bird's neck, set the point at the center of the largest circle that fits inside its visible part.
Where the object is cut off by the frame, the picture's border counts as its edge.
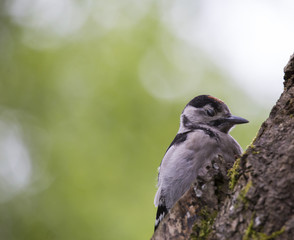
(186, 128)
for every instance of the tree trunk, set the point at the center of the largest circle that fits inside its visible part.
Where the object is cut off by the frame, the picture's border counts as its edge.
(254, 199)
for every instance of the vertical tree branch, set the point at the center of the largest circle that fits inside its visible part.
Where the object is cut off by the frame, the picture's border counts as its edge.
(260, 204)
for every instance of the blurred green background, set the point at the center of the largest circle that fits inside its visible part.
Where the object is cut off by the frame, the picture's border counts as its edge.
(88, 106)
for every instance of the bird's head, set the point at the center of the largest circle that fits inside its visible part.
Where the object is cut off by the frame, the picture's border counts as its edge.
(209, 111)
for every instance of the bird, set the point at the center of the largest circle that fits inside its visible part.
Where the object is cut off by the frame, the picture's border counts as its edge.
(203, 134)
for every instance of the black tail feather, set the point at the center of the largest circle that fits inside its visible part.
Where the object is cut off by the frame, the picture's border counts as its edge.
(160, 214)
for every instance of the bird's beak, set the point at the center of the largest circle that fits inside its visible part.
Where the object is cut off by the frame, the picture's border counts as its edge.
(236, 120)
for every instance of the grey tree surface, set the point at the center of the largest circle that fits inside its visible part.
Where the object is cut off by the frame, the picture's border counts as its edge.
(254, 199)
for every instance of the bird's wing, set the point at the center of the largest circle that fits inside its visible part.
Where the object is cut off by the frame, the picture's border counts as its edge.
(198, 139)
(179, 138)
(178, 158)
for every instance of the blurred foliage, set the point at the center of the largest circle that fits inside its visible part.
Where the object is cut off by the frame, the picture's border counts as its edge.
(94, 134)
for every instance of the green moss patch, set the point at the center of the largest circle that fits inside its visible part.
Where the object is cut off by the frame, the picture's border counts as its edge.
(250, 233)
(203, 227)
(233, 174)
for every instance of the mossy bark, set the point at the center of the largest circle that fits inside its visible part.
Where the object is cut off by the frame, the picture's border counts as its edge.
(259, 204)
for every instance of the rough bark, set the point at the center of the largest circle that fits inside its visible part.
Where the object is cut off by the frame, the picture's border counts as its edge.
(256, 201)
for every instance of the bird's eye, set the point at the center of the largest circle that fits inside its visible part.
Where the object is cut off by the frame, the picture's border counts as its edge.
(210, 112)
